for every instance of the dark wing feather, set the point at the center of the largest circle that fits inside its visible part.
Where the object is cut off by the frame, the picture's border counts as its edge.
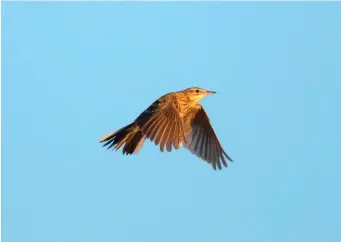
(162, 124)
(202, 140)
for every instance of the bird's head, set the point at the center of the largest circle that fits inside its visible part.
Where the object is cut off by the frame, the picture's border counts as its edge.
(195, 94)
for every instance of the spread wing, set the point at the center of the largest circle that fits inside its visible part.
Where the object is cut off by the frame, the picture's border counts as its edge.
(202, 140)
(162, 124)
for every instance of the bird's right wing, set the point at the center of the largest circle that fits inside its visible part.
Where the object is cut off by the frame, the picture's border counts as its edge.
(162, 124)
(202, 140)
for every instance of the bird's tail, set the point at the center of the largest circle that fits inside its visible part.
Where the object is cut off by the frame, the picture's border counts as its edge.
(130, 136)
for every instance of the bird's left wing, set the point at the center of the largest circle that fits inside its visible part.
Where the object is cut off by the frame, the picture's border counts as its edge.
(162, 124)
(202, 140)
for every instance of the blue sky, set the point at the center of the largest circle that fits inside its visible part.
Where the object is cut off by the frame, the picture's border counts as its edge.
(73, 72)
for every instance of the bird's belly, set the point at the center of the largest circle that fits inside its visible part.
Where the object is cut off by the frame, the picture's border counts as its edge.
(186, 124)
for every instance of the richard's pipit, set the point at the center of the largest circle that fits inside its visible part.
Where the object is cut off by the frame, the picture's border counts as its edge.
(174, 119)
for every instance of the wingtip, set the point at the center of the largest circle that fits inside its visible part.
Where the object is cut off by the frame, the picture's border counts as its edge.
(228, 157)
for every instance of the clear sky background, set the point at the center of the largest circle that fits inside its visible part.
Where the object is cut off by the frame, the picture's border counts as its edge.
(73, 72)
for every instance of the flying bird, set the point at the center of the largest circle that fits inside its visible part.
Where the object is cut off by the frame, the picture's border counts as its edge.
(173, 120)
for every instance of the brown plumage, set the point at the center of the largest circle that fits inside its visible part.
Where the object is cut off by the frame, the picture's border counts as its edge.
(173, 120)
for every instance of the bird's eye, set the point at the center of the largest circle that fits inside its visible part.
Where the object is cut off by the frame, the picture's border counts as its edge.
(197, 91)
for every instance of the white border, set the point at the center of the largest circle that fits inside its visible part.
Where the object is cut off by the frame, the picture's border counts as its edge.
(164, 1)
(0, 123)
(136, 1)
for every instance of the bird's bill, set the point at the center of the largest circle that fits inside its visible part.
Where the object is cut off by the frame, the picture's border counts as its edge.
(210, 92)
